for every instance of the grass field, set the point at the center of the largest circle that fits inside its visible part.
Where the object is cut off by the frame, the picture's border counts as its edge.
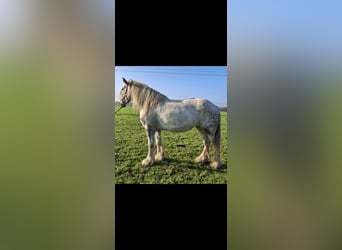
(177, 167)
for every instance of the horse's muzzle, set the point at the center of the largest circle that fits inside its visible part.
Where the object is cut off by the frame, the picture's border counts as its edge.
(123, 105)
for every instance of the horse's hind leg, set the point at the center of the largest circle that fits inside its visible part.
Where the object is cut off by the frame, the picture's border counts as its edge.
(204, 156)
(216, 141)
(149, 160)
(210, 135)
(160, 153)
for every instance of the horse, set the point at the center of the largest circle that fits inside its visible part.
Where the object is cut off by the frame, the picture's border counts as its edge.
(157, 112)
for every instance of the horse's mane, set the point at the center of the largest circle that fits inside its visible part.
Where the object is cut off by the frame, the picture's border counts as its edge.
(145, 98)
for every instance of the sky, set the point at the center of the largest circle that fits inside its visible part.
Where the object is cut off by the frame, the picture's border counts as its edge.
(308, 28)
(13, 21)
(179, 82)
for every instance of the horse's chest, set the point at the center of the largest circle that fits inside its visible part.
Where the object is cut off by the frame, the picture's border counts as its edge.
(148, 121)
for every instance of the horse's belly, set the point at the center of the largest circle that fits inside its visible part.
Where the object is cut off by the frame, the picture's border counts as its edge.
(171, 127)
(178, 121)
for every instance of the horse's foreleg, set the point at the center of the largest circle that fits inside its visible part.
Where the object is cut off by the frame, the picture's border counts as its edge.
(149, 160)
(160, 152)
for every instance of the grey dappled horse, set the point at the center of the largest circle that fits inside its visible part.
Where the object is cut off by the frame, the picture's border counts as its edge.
(158, 112)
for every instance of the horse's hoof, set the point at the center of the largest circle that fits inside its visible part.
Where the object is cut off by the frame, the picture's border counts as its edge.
(159, 157)
(147, 162)
(200, 159)
(215, 165)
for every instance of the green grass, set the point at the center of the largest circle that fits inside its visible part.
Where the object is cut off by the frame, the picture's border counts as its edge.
(177, 167)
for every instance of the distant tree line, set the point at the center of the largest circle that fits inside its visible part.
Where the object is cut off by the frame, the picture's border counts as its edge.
(223, 109)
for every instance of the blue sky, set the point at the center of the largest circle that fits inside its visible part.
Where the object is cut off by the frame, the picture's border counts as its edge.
(307, 28)
(179, 82)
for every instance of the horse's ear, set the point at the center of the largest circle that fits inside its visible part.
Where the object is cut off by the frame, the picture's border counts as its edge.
(124, 80)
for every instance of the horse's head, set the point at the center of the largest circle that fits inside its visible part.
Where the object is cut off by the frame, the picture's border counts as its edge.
(125, 96)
